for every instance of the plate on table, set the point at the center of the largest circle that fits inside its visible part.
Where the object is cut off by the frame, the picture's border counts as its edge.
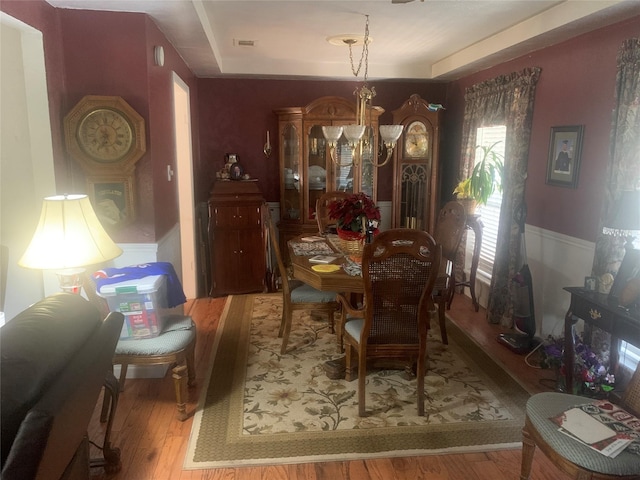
(325, 268)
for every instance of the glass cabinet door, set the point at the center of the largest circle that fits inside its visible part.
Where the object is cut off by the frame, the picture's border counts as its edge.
(317, 173)
(414, 192)
(291, 173)
(342, 170)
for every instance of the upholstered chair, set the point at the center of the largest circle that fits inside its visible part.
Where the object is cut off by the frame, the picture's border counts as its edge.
(297, 295)
(399, 270)
(570, 456)
(175, 346)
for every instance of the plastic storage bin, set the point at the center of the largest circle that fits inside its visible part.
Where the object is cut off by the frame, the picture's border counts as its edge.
(141, 301)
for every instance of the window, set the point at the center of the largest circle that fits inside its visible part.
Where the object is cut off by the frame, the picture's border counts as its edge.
(490, 213)
(629, 355)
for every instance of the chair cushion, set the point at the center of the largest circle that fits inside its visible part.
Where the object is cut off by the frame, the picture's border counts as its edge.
(307, 294)
(354, 326)
(542, 406)
(177, 332)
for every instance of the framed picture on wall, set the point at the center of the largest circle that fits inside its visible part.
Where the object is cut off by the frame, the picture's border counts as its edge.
(112, 199)
(565, 146)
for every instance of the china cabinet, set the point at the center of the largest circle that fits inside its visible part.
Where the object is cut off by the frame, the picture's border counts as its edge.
(306, 166)
(415, 166)
(236, 238)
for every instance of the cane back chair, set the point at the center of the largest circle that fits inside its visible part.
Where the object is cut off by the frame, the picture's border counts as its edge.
(399, 270)
(449, 229)
(322, 210)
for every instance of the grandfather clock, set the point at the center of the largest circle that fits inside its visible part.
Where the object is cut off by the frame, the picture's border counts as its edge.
(415, 167)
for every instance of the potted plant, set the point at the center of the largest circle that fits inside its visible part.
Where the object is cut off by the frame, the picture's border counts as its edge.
(355, 215)
(485, 178)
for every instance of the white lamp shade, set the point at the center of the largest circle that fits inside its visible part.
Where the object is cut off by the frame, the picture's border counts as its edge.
(354, 132)
(332, 134)
(390, 133)
(68, 235)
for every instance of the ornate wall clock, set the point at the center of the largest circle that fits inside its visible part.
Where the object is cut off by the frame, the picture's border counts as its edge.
(104, 134)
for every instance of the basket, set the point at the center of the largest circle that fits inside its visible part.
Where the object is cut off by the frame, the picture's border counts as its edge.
(351, 243)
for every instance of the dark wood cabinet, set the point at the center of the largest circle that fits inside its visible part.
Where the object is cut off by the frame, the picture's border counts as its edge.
(306, 168)
(237, 238)
(415, 166)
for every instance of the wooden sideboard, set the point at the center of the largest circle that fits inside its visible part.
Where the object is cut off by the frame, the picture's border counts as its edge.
(237, 238)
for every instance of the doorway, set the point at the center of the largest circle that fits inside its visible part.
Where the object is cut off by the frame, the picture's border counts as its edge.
(184, 174)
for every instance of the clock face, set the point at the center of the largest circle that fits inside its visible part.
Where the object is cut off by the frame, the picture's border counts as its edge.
(105, 135)
(416, 140)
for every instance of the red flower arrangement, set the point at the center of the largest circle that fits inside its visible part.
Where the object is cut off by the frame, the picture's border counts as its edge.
(355, 213)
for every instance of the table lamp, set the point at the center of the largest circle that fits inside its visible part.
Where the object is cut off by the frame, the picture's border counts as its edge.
(68, 237)
(625, 220)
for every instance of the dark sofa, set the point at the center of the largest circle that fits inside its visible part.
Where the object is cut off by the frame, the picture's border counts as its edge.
(55, 357)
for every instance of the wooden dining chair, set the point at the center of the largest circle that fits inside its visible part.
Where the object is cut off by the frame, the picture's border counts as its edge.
(297, 295)
(399, 270)
(322, 209)
(450, 226)
(569, 455)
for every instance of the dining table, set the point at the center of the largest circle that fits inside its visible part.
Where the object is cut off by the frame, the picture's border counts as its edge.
(346, 279)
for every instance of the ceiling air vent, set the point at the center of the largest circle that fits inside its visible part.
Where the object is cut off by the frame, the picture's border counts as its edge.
(244, 43)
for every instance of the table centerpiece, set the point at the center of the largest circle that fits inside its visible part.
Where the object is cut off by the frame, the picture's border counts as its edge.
(357, 216)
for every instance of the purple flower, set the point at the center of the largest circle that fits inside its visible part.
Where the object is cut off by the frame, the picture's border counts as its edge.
(588, 367)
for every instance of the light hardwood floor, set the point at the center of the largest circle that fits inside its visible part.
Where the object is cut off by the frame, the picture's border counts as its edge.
(153, 442)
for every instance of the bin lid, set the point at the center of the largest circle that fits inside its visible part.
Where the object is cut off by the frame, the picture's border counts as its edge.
(149, 284)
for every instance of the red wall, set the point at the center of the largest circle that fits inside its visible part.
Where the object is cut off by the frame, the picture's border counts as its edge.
(161, 126)
(576, 87)
(111, 53)
(235, 115)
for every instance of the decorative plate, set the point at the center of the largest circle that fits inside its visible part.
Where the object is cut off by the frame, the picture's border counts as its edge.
(326, 268)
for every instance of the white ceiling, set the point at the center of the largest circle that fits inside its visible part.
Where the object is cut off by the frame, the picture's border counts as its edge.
(417, 40)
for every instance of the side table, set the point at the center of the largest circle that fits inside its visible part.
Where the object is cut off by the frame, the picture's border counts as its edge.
(597, 310)
(474, 223)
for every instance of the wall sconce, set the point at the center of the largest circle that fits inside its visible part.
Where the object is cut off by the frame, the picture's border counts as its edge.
(267, 147)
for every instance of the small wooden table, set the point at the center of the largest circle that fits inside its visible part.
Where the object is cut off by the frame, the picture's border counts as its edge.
(338, 281)
(597, 310)
(474, 223)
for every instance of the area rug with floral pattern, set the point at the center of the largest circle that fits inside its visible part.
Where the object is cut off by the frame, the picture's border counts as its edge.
(261, 407)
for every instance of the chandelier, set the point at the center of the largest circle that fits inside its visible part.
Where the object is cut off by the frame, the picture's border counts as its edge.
(359, 135)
